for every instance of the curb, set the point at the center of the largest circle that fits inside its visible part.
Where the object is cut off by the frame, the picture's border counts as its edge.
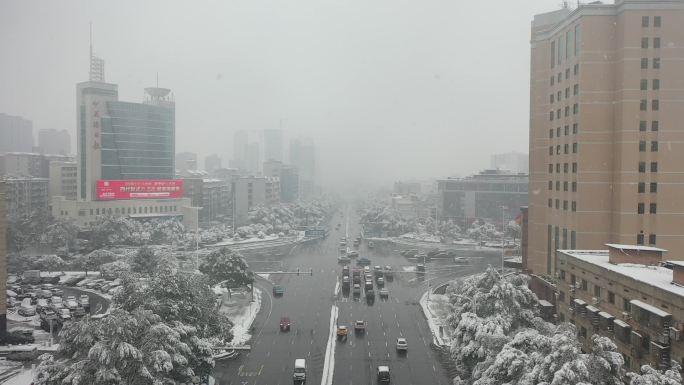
(436, 340)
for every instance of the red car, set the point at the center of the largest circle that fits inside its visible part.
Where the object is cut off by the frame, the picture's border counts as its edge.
(284, 324)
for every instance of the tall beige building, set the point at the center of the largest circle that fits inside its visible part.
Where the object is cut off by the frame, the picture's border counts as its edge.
(606, 138)
(3, 259)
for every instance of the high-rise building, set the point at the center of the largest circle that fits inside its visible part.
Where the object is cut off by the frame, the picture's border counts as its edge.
(3, 259)
(16, 134)
(63, 180)
(51, 141)
(212, 163)
(273, 145)
(211, 196)
(303, 156)
(252, 158)
(240, 140)
(515, 162)
(606, 155)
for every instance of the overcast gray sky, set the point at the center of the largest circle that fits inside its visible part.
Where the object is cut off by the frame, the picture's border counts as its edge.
(389, 89)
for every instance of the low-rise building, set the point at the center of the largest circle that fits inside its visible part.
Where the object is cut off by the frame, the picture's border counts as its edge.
(24, 196)
(250, 191)
(22, 164)
(63, 180)
(288, 176)
(211, 196)
(628, 293)
(85, 213)
(482, 196)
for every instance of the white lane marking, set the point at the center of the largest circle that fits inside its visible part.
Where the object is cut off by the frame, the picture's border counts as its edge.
(329, 363)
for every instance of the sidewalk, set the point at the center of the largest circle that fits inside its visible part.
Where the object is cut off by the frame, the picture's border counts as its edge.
(242, 312)
(435, 310)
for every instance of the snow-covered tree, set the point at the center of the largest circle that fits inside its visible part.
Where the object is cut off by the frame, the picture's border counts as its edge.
(62, 233)
(144, 261)
(114, 270)
(651, 376)
(177, 297)
(226, 265)
(49, 262)
(126, 348)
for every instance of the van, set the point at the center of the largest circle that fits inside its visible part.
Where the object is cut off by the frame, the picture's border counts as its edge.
(299, 370)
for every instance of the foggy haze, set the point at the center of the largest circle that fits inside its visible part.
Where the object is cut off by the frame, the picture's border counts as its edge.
(388, 90)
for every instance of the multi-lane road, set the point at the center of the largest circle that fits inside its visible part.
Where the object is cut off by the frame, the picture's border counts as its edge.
(315, 308)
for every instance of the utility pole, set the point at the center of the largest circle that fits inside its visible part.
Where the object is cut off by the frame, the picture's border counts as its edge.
(503, 236)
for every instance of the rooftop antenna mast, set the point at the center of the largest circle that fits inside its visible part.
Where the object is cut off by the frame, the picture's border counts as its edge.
(96, 63)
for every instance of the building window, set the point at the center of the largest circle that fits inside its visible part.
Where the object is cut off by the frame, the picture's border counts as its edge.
(657, 21)
(654, 166)
(550, 168)
(567, 73)
(565, 168)
(575, 109)
(550, 150)
(654, 125)
(651, 239)
(597, 291)
(574, 167)
(644, 42)
(558, 132)
(566, 148)
(642, 187)
(656, 42)
(574, 206)
(558, 147)
(655, 104)
(643, 104)
(640, 208)
(574, 128)
(574, 186)
(565, 205)
(584, 285)
(574, 148)
(553, 79)
(653, 208)
(557, 204)
(566, 130)
(567, 92)
(642, 125)
(640, 239)
(644, 21)
(559, 78)
(642, 166)
(565, 186)
(611, 297)
(558, 113)
(557, 185)
(656, 63)
(644, 65)
(626, 304)
(575, 89)
(656, 84)
(642, 146)
(576, 69)
(559, 95)
(643, 84)
(550, 202)
(551, 99)
(557, 168)
(654, 146)
(573, 239)
(654, 187)
(551, 133)
(550, 185)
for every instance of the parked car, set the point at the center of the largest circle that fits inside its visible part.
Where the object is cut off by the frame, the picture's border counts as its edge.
(78, 312)
(278, 290)
(84, 300)
(71, 302)
(26, 309)
(64, 314)
(353, 254)
(363, 261)
(460, 260)
(42, 304)
(57, 292)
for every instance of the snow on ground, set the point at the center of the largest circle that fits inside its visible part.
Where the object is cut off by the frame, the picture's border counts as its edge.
(12, 315)
(24, 377)
(409, 269)
(421, 237)
(264, 276)
(242, 312)
(436, 309)
(229, 242)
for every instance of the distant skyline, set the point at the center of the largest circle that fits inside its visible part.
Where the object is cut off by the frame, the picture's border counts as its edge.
(389, 90)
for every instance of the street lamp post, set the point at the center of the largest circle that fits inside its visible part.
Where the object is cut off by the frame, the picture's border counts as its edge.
(503, 235)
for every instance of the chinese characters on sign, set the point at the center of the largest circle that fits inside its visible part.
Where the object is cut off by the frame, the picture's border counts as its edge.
(138, 189)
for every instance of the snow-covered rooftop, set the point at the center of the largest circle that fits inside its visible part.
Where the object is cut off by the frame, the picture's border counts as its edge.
(656, 276)
(677, 263)
(650, 308)
(634, 247)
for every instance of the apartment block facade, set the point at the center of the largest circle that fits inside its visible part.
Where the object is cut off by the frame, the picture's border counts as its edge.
(623, 294)
(606, 142)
